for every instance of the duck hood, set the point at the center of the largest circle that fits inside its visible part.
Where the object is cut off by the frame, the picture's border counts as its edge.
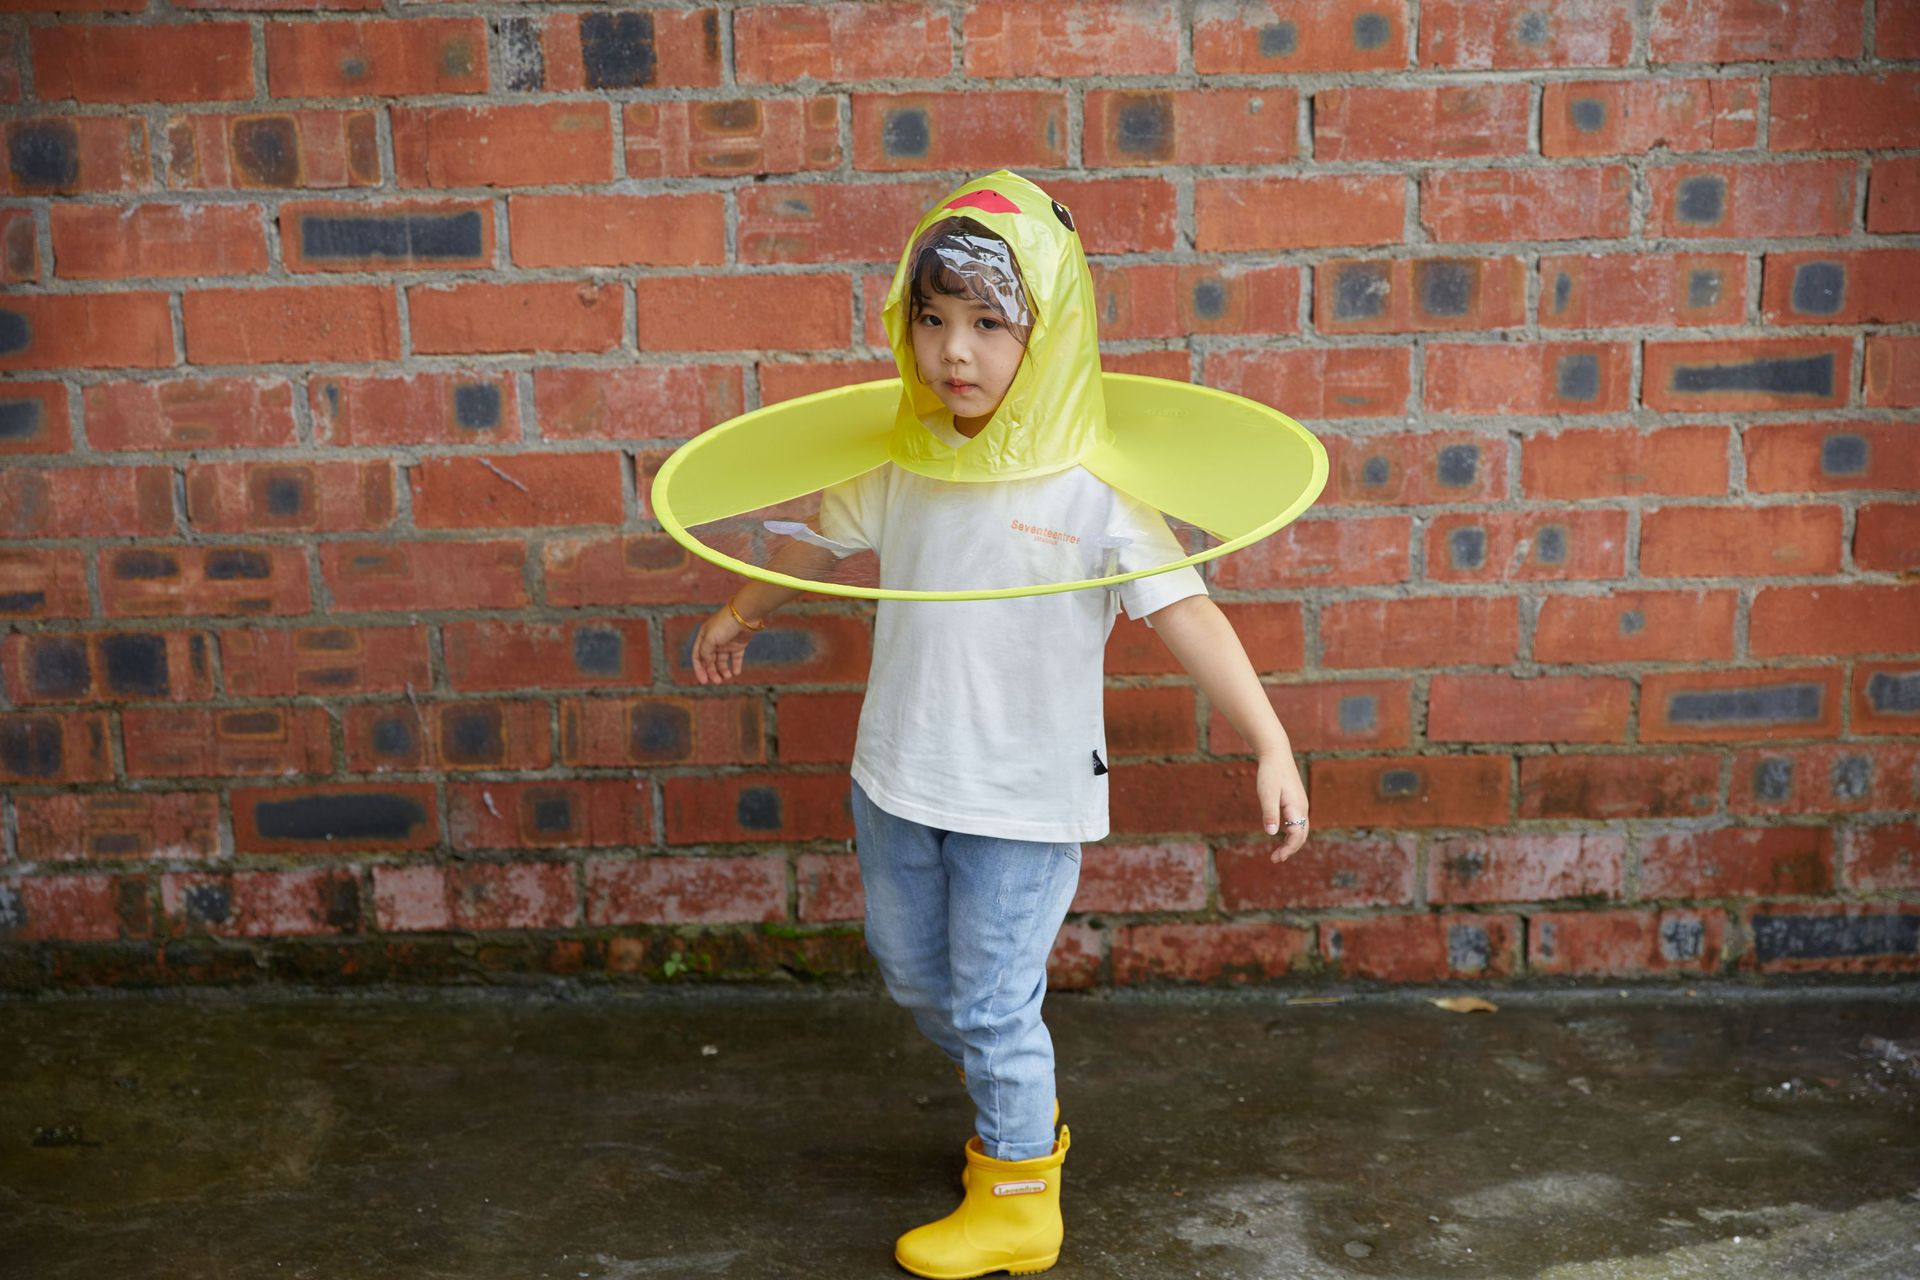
(1054, 416)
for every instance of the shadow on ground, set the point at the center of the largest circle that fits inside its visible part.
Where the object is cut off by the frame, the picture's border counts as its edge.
(758, 1133)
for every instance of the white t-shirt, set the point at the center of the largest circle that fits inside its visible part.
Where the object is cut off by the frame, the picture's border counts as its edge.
(985, 716)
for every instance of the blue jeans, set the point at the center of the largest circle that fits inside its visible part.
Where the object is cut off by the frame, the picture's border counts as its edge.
(962, 926)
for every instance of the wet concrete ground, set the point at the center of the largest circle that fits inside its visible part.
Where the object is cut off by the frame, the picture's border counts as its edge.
(773, 1133)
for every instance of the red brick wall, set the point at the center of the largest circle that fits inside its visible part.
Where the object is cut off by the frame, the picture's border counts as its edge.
(342, 339)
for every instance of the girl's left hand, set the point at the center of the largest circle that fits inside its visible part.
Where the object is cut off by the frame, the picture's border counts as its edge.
(1282, 795)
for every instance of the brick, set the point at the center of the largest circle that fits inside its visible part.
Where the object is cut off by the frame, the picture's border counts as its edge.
(1271, 633)
(412, 235)
(1526, 868)
(829, 887)
(203, 742)
(1339, 871)
(1519, 204)
(1862, 618)
(1152, 799)
(617, 230)
(1116, 215)
(839, 43)
(1626, 944)
(185, 581)
(1751, 201)
(1435, 631)
(1319, 382)
(1896, 29)
(261, 904)
(1892, 378)
(19, 247)
(1291, 36)
(1608, 787)
(1737, 375)
(1801, 457)
(1483, 34)
(1146, 721)
(650, 401)
(291, 325)
(649, 49)
(37, 583)
(1636, 626)
(1424, 791)
(86, 330)
(654, 731)
(12, 66)
(1830, 778)
(412, 737)
(1524, 378)
(1075, 961)
(1163, 300)
(76, 155)
(1190, 127)
(54, 747)
(376, 57)
(1501, 708)
(817, 728)
(1350, 551)
(733, 137)
(1737, 862)
(1402, 295)
(34, 418)
(1216, 953)
(517, 490)
(294, 149)
(250, 6)
(503, 146)
(1526, 546)
(1415, 468)
(1633, 117)
(482, 895)
(829, 223)
(1012, 128)
(1869, 286)
(1603, 462)
(323, 661)
(1642, 290)
(1007, 38)
(410, 576)
(582, 654)
(741, 313)
(1742, 31)
(190, 413)
(1893, 195)
(1886, 537)
(1453, 122)
(116, 666)
(1754, 705)
(556, 315)
(86, 502)
(287, 497)
(175, 62)
(1421, 948)
(76, 908)
(1236, 214)
(552, 813)
(1886, 697)
(1684, 542)
(1152, 877)
(335, 818)
(1834, 937)
(1349, 715)
(645, 568)
(420, 408)
(119, 826)
(761, 807)
(794, 648)
(1873, 859)
(1844, 113)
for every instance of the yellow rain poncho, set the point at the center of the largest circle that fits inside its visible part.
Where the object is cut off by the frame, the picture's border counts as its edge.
(1233, 467)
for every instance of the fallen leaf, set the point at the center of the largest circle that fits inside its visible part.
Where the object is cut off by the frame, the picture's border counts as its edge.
(1467, 1004)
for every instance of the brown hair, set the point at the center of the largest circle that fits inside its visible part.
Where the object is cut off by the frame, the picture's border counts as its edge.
(931, 274)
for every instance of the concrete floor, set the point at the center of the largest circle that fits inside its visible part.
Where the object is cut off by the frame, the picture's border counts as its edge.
(772, 1133)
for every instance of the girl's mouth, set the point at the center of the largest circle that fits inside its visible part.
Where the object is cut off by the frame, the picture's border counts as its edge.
(960, 387)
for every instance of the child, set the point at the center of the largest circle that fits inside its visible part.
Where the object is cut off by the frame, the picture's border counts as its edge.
(979, 767)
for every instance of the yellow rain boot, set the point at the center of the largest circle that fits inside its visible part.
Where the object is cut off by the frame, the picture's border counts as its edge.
(1010, 1220)
(962, 1073)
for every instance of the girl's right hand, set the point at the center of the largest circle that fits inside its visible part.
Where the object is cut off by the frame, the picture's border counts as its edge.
(720, 647)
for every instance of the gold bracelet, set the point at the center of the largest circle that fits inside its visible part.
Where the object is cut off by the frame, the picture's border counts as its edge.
(737, 618)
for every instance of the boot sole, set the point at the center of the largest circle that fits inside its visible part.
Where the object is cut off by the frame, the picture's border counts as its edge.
(1025, 1267)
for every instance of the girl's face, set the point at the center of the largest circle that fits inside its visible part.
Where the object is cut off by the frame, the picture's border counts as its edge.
(966, 353)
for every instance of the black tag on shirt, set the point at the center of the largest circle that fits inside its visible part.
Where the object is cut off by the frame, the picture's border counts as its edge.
(1098, 768)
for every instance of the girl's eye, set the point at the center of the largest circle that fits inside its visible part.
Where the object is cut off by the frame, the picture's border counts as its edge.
(990, 323)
